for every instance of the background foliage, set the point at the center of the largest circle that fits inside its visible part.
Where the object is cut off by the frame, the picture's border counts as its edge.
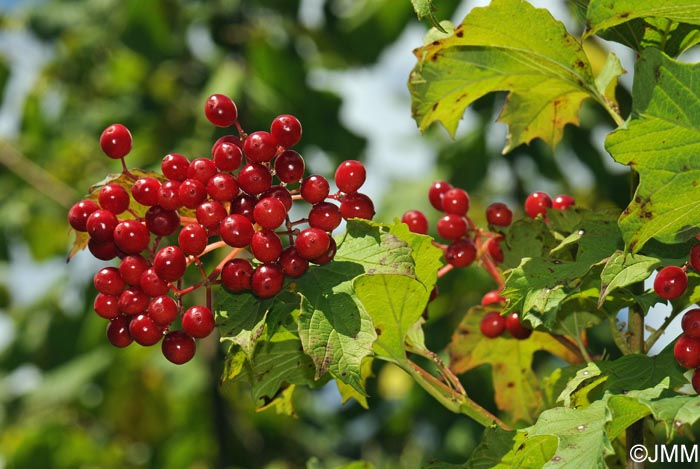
(67, 398)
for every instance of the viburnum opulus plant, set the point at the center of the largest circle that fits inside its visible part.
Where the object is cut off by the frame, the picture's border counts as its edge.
(299, 303)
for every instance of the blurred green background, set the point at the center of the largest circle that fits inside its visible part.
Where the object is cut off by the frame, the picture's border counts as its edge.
(70, 68)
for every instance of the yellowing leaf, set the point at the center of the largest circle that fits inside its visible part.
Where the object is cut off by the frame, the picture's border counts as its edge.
(507, 46)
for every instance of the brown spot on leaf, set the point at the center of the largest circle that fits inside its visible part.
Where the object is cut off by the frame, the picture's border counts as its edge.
(580, 64)
(435, 43)
(459, 33)
(624, 15)
(510, 384)
(435, 106)
(378, 331)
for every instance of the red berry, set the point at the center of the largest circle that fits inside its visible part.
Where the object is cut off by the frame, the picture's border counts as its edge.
(537, 203)
(131, 236)
(108, 281)
(327, 256)
(178, 347)
(494, 296)
(236, 275)
(695, 257)
(562, 202)
(452, 226)
(269, 212)
(106, 306)
(314, 189)
(356, 205)
(292, 263)
(170, 263)
(350, 176)
(267, 280)
(260, 147)
(151, 284)
(436, 191)
(461, 252)
(145, 191)
(221, 110)
(312, 243)
(236, 230)
(100, 225)
(210, 213)
(163, 310)
(498, 214)
(118, 332)
(131, 267)
(691, 323)
(145, 331)
(222, 187)
(201, 169)
(325, 215)
(79, 213)
(192, 239)
(103, 250)
(254, 178)
(198, 322)
(286, 129)
(495, 251)
(289, 167)
(227, 156)
(516, 327)
(169, 195)
(114, 198)
(192, 193)
(492, 324)
(455, 201)
(162, 222)
(243, 205)
(416, 221)
(133, 301)
(280, 193)
(670, 282)
(116, 141)
(687, 352)
(174, 167)
(266, 245)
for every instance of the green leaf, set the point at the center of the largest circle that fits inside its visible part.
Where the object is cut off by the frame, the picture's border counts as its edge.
(650, 22)
(517, 390)
(506, 46)
(676, 412)
(622, 270)
(426, 9)
(241, 319)
(348, 392)
(395, 303)
(661, 142)
(495, 443)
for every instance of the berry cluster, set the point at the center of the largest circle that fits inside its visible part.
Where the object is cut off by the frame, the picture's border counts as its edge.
(687, 346)
(238, 199)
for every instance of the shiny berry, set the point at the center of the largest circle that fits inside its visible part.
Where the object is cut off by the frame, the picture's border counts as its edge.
(174, 166)
(416, 221)
(227, 156)
(461, 252)
(79, 213)
(254, 178)
(492, 324)
(356, 205)
(109, 281)
(269, 212)
(289, 167)
(314, 189)
(452, 226)
(106, 306)
(350, 176)
(292, 263)
(516, 328)
(145, 331)
(162, 222)
(116, 141)
(236, 230)
(670, 282)
(562, 202)
(118, 332)
(691, 323)
(198, 321)
(178, 347)
(286, 129)
(220, 110)
(455, 201)
(170, 263)
(498, 214)
(537, 203)
(236, 275)
(145, 191)
(267, 280)
(100, 225)
(312, 243)
(325, 215)
(436, 191)
(192, 239)
(260, 147)
(163, 310)
(131, 236)
(114, 198)
(687, 352)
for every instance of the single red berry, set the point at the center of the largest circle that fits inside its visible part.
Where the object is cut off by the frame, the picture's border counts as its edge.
(325, 215)
(243, 205)
(192, 239)
(495, 251)
(314, 189)
(327, 256)
(455, 201)
(492, 324)
(191, 193)
(201, 169)
(260, 147)
(145, 191)
(691, 323)
(516, 328)
(131, 267)
(292, 263)
(416, 221)
(537, 203)
(696, 380)
(131, 236)
(79, 213)
(269, 212)
(145, 331)
(452, 226)
(170, 263)
(280, 193)
(236, 230)
(254, 178)
(267, 280)
(151, 284)
(227, 156)
(461, 252)
(498, 214)
(286, 129)
(198, 321)
(210, 213)
(114, 198)
(356, 205)
(169, 195)
(220, 110)
(266, 245)
(103, 250)
(236, 275)
(436, 191)
(350, 176)
(687, 352)
(106, 306)
(108, 281)
(133, 301)
(162, 222)
(695, 257)
(312, 243)
(289, 167)
(562, 202)
(118, 332)
(174, 166)
(163, 310)
(178, 347)
(494, 296)
(100, 225)
(116, 141)
(670, 282)
(222, 187)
